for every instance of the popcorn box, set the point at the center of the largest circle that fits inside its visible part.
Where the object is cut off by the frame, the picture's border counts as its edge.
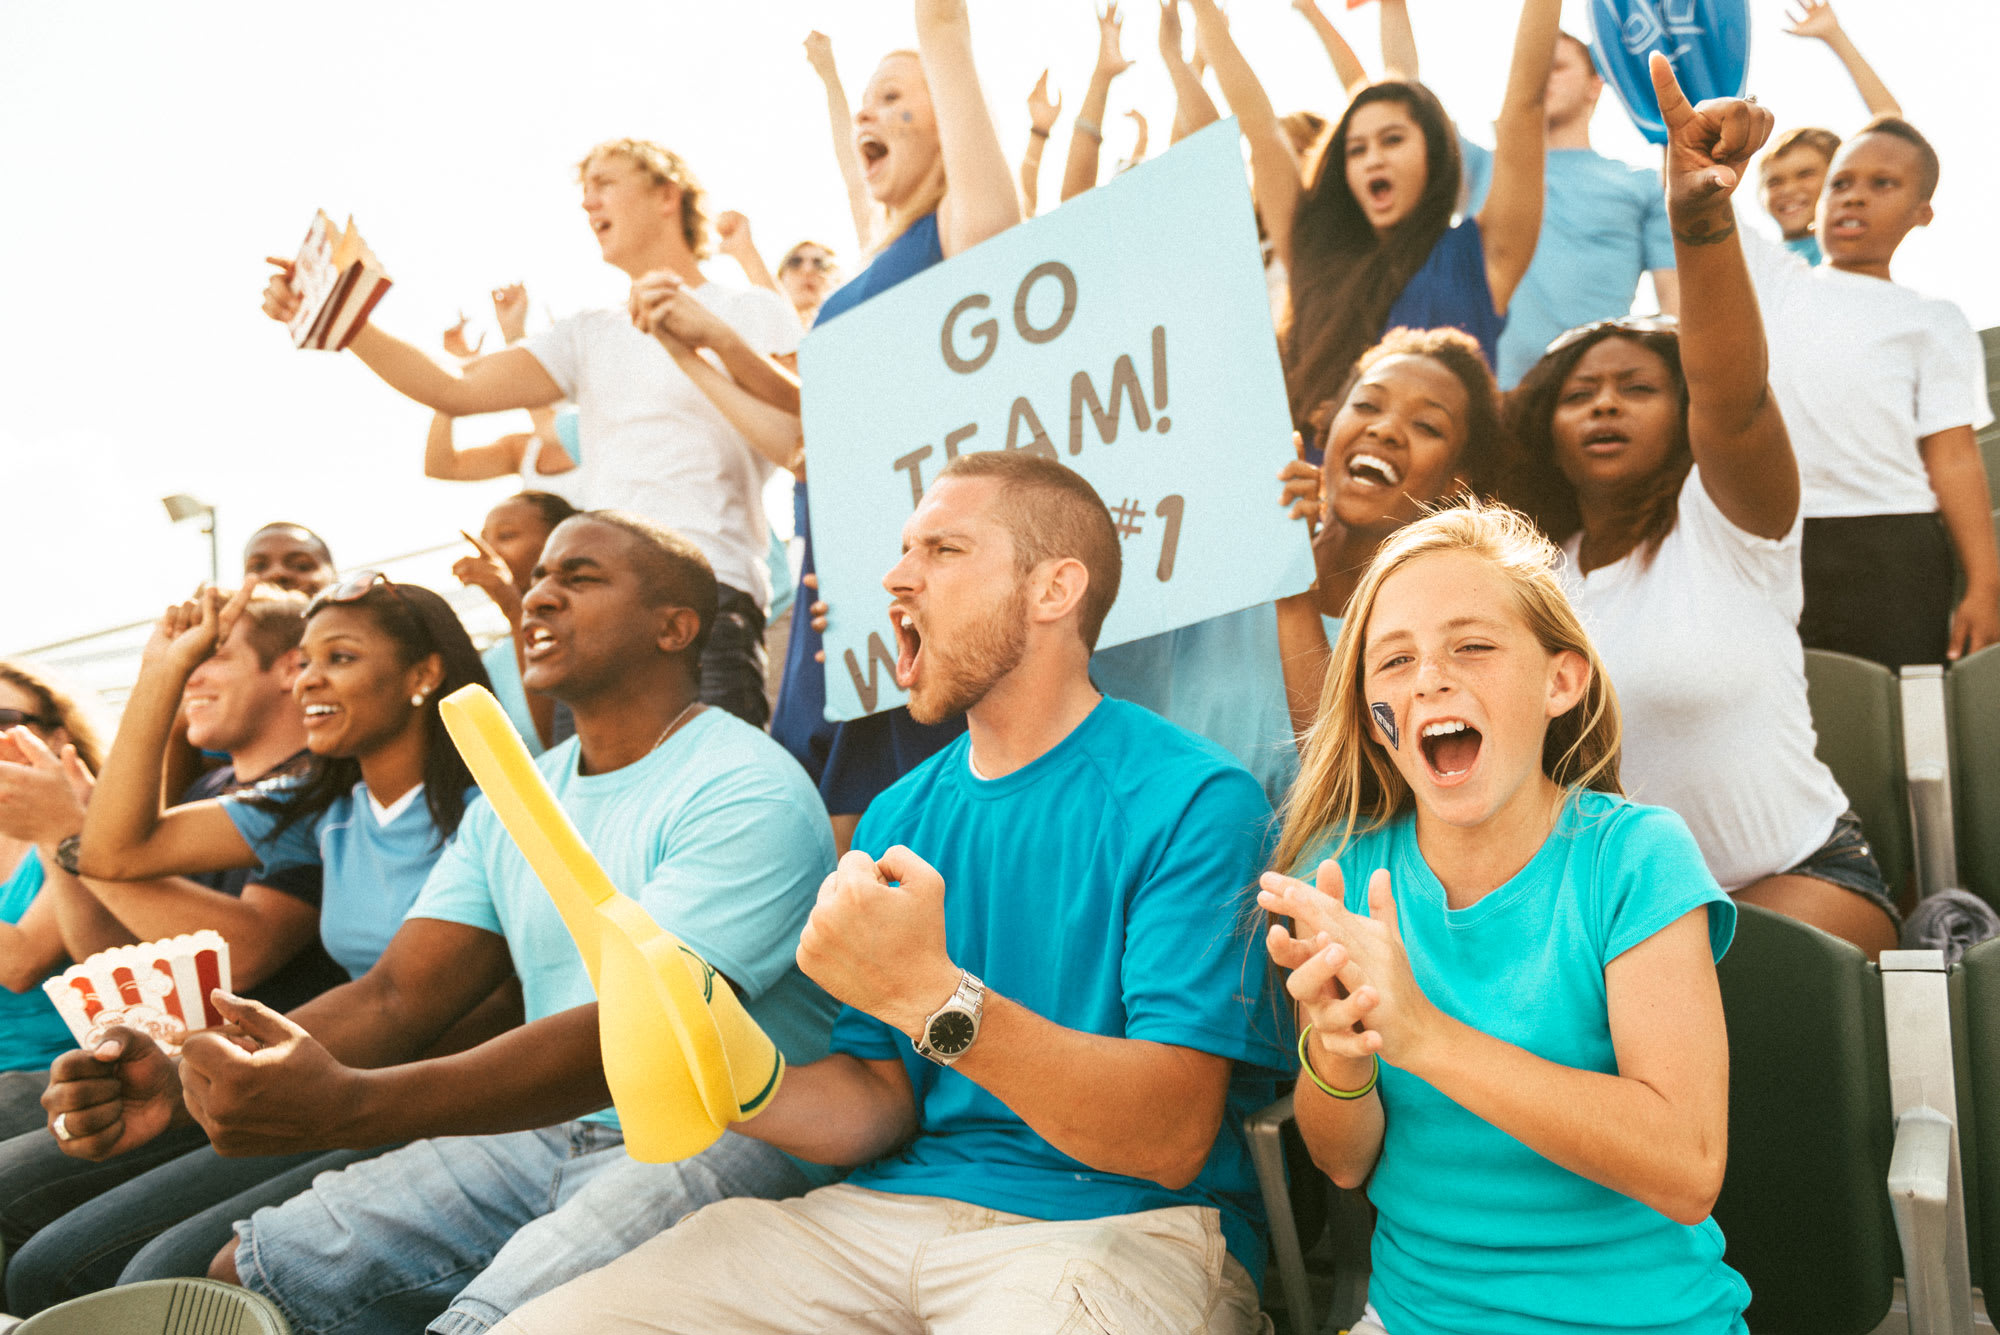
(338, 280)
(160, 988)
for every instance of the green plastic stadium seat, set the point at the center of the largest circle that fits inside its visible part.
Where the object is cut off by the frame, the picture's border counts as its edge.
(1976, 1021)
(1972, 705)
(1804, 1205)
(162, 1307)
(1858, 720)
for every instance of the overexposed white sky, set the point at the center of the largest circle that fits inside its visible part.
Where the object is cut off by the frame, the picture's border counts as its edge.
(153, 154)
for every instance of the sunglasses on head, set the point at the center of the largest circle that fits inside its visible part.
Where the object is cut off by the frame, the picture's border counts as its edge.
(353, 589)
(15, 718)
(1624, 324)
(819, 263)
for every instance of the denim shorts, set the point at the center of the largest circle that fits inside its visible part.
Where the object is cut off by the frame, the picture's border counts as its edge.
(1846, 860)
(479, 1225)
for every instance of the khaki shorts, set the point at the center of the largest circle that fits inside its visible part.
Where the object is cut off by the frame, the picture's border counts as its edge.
(844, 1258)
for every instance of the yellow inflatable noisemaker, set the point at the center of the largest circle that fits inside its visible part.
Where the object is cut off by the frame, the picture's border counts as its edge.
(682, 1056)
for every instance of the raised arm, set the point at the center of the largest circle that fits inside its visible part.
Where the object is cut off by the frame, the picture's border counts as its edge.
(732, 232)
(1815, 18)
(1086, 137)
(980, 201)
(1511, 221)
(126, 835)
(1346, 65)
(1734, 426)
(1399, 41)
(1193, 108)
(1274, 172)
(1042, 113)
(840, 120)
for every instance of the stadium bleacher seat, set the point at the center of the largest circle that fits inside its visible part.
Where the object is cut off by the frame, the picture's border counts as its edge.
(1858, 721)
(1989, 450)
(162, 1307)
(1972, 708)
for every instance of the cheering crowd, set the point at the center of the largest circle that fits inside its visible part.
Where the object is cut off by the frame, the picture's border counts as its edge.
(1449, 843)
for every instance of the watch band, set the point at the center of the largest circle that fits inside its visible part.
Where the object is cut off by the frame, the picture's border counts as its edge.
(67, 853)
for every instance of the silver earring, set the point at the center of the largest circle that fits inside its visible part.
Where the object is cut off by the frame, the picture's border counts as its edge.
(417, 700)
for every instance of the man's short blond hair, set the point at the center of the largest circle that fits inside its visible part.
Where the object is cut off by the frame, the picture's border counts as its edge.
(665, 167)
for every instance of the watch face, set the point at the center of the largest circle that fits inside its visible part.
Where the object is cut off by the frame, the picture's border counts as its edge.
(951, 1033)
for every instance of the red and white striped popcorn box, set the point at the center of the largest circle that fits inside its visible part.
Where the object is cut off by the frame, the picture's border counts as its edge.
(160, 988)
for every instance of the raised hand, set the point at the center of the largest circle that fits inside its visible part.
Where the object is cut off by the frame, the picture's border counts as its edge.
(1301, 494)
(488, 570)
(510, 310)
(732, 234)
(1815, 18)
(819, 53)
(42, 795)
(455, 344)
(1707, 146)
(1042, 109)
(876, 938)
(1350, 974)
(113, 1098)
(1110, 23)
(268, 1087)
(281, 302)
(1171, 39)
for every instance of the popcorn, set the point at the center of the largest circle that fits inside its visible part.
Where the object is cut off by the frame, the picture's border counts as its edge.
(160, 988)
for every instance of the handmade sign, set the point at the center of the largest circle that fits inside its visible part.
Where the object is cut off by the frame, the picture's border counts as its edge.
(683, 1058)
(1128, 335)
(338, 280)
(161, 988)
(1707, 42)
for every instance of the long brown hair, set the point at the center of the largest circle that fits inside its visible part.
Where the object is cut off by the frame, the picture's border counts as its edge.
(1534, 483)
(1347, 785)
(1343, 278)
(73, 712)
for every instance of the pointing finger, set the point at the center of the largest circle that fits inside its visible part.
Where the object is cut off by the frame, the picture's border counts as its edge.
(1674, 109)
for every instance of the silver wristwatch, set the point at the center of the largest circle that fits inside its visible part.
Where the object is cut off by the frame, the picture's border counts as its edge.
(953, 1026)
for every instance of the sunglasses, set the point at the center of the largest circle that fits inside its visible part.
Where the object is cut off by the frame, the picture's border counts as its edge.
(818, 263)
(353, 589)
(15, 718)
(1624, 324)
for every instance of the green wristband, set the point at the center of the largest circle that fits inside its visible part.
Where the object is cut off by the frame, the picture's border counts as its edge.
(1305, 1063)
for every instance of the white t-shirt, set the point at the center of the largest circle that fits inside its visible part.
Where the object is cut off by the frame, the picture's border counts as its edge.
(1863, 368)
(1702, 646)
(654, 444)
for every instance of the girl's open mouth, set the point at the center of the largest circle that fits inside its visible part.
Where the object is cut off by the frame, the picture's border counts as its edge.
(1450, 748)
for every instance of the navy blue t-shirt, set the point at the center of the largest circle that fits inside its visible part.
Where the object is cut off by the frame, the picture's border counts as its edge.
(1107, 886)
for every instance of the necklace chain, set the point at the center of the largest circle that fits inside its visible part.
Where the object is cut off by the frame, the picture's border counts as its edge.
(679, 719)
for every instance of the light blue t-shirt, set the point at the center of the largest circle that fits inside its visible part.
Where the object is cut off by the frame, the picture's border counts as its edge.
(503, 670)
(371, 872)
(1806, 246)
(720, 837)
(1475, 1232)
(1222, 679)
(1604, 223)
(32, 1032)
(1106, 887)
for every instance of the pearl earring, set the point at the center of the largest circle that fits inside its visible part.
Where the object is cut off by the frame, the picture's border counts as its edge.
(417, 700)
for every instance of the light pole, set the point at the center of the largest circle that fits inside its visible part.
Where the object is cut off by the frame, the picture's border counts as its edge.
(180, 507)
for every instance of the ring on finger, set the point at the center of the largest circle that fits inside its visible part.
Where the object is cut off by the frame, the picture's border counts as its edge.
(61, 1127)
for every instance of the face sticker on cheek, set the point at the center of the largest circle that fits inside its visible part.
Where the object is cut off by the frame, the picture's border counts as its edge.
(907, 118)
(1385, 719)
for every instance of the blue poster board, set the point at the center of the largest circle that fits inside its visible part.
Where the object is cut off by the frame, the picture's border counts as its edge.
(1127, 334)
(1707, 42)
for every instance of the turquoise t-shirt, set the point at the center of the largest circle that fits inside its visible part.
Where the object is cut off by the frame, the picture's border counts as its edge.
(32, 1032)
(1221, 679)
(1106, 887)
(720, 837)
(371, 872)
(1476, 1234)
(1604, 223)
(1807, 245)
(503, 670)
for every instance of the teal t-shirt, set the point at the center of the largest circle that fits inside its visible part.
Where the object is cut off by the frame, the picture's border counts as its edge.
(1107, 887)
(1221, 679)
(32, 1032)
(370, 871)
(1476, 1234)
(720, 837)
(503, 670)
(1807, 246)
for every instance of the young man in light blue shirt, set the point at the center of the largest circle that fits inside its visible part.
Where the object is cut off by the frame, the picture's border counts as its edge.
(703, 819)
(1054, 1015)
(1604, 224)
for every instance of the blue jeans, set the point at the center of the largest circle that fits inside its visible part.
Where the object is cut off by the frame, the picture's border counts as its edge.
(459, 1231)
